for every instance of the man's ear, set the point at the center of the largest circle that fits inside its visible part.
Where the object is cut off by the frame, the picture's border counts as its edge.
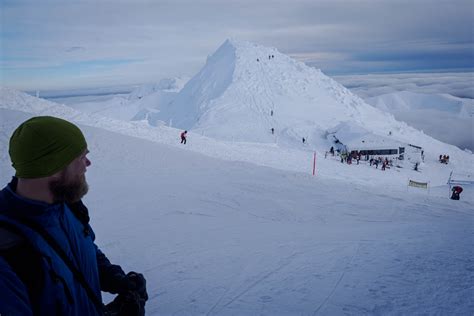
(57, 175)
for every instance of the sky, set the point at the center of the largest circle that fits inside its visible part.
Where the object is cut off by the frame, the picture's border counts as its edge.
(88, 44)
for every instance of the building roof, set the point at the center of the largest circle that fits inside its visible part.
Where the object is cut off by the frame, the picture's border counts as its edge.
(357, 138)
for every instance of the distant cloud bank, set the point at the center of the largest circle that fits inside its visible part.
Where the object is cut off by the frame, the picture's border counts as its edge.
(457, 84)
(444, 125)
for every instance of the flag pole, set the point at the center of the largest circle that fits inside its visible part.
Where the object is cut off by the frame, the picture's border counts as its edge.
(314, 163)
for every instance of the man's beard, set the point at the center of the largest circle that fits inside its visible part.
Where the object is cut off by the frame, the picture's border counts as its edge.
(68, 190)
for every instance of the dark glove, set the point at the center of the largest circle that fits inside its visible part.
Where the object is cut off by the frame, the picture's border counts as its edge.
(127, 304)
(135, 282)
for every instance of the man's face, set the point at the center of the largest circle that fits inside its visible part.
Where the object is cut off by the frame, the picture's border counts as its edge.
(70, 184)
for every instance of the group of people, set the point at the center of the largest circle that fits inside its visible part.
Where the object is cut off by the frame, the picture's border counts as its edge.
(444, 159)
(269, 57)
(49, 261)
(349, 157)
(384, 162)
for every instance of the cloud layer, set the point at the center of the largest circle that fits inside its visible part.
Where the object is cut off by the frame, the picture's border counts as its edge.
(370, 85)
(443, 124)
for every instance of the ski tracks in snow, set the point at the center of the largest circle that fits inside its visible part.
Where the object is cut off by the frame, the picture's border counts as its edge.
(330, 295)
(285, 262)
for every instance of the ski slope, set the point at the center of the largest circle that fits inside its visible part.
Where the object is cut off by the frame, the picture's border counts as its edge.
(274, 155)
(222, 236)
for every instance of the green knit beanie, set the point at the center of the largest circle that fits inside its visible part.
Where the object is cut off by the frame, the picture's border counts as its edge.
(44, 145)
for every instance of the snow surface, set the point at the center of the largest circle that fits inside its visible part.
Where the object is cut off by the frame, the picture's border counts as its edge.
(219, 237)
(227, 227)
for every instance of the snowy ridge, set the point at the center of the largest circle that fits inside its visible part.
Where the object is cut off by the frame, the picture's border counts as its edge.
(230, 102)
(266, 155)
(137, 104)
(270, 155)
(234, 94)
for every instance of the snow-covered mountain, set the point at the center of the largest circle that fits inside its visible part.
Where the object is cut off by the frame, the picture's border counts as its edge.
(142, 100)
(245, 90)
(242, 84)
(296, 158)
(442, 116)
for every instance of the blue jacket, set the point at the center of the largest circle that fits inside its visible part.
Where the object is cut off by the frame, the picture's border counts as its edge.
(61, 293)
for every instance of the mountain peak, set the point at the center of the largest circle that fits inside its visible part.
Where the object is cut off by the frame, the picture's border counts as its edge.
(245, 90)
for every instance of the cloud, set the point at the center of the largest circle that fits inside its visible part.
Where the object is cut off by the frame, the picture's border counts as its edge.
(370, 85)
(75, 49)
(443, 126)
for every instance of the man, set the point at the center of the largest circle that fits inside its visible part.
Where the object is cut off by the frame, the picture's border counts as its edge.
(183, 137)
(49, 263)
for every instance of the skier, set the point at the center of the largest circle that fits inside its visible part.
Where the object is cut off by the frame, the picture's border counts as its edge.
(303, 140)
(183, 137)
(273, 130)
(456, 192)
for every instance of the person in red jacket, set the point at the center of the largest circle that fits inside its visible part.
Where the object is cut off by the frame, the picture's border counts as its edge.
(456, 192)
(183, 137)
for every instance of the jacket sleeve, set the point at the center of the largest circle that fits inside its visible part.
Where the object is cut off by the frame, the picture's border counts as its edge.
(112, 278)
(13, 294)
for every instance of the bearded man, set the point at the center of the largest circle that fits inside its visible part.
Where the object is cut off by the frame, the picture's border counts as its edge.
(49, 263)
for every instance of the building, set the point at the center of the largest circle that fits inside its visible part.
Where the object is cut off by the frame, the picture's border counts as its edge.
(348, 137)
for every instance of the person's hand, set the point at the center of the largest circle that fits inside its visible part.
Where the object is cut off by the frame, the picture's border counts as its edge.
(126, 304)
(136, 282)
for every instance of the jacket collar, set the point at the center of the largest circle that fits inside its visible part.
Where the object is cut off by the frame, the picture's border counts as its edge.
(16, 206)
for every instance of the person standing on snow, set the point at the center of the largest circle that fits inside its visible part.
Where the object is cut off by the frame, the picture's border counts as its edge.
(183, 137)
(49, 262)
(456, 192)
